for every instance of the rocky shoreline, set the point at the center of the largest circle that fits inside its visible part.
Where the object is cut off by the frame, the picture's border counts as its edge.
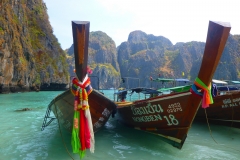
(5, 89)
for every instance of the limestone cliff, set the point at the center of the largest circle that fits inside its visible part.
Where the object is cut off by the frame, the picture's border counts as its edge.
(144, 56)
(30, 55)
(229, 66)
(102, 59)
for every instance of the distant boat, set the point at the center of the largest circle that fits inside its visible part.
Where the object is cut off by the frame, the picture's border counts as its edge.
(175, 82)
(170, 116)
(226, 107)
(101, 107)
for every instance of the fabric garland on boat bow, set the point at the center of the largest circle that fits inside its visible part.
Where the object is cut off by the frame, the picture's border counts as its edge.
(207, 93)
(82, 133)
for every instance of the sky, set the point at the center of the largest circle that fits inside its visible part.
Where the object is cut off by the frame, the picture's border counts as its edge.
(177, 20)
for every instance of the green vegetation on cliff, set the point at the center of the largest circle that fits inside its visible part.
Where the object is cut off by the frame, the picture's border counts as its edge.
(29, 50)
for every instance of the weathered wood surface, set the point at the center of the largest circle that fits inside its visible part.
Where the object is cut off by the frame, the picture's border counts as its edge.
(80, 31)
(171, 116)
(224, 111)
(101, 107)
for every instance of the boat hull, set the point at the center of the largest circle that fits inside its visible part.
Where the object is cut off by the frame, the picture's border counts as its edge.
(101, 108)
(168, 116)
(224, 111)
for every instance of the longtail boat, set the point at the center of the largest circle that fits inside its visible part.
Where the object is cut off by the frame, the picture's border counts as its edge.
(170, 116)
(176, 84)
(226, 107)
(101, 107)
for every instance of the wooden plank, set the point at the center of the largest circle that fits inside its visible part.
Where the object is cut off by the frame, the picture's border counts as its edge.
(80, 31)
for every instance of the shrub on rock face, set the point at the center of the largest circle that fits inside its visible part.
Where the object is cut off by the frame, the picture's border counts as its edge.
(28, 47)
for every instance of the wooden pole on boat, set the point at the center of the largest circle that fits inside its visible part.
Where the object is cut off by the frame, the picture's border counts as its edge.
(80, 31)
(216, 39)
(217, 36)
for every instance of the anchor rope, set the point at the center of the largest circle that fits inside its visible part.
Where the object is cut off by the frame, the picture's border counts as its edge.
(210, 132)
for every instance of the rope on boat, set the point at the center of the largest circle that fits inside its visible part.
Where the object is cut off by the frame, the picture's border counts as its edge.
(232, 113)
(61, 132)
(209, 126)
(212, 135)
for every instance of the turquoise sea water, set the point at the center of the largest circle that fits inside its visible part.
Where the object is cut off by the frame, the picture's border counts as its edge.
(21, 137)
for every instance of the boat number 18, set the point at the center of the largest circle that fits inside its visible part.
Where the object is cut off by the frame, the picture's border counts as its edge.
(171, 120)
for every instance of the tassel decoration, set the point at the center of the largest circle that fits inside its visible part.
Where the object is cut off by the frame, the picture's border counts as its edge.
(207, 93)
(82, 133)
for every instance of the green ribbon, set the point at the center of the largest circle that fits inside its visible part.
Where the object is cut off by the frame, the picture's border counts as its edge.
(207, 99)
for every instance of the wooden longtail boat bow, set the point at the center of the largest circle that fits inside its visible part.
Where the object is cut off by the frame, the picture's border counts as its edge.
(80, 39)
(138, 115)
(217, 36)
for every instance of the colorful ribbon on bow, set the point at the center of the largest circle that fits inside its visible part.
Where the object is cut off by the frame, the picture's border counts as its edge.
(82, 133)
(206, 96)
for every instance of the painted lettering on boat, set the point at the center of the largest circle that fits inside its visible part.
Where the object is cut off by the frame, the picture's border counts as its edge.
(106, 112)
(175, 107)
(149, 109)
(149, 118)
(97, 124)
(171, 120)
(231, 103)
(142, 113)
(101, 119)
(236, 100)
(227, 101)
(66, 124)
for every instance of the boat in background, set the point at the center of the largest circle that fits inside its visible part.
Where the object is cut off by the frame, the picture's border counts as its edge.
(226, 107)
(178, 85)
(235, 83)
(124, 95)
(101, 107)
(170, 116)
